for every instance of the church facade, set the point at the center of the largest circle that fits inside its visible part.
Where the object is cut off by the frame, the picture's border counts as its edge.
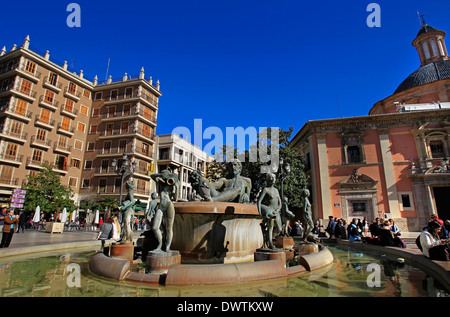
(394, 162)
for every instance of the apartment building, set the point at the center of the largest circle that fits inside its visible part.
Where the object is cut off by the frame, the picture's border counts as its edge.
(181, 157)
(49, 114)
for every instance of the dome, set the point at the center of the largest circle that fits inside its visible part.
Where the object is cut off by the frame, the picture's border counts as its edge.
(437, 70)
(425, 29)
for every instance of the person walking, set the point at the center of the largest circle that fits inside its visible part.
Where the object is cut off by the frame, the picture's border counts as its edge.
(331, 226)
(22, 221)
(8, 228)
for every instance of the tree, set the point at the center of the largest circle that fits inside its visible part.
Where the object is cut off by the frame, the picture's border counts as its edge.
(293, 184)
(45, 190)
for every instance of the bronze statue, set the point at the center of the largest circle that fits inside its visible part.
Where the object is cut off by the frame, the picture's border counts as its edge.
(269, 207)
(308, 223)
(202, 186)
(128, 205)
(151, 211)
(236, 189)
(168, 192)
(286, 216)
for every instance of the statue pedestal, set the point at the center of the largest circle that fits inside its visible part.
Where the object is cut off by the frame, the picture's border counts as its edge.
(123, 251)
(159, 262)
(264, 254)
(285, 243)
(307, 248)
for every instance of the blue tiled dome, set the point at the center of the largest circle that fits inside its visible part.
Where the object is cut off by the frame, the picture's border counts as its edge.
(426, 74)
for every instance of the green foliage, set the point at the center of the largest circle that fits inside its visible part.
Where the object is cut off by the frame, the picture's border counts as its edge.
(293, 185)
(45, 190)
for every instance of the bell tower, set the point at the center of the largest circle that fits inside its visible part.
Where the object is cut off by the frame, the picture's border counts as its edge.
(430, 44)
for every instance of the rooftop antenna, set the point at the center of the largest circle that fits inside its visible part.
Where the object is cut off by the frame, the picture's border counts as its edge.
(107, 69)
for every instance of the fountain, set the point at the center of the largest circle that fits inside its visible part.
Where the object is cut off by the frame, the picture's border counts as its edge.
(220, 239)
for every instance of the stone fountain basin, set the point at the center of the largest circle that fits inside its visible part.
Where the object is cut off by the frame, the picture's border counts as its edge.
(216, 232)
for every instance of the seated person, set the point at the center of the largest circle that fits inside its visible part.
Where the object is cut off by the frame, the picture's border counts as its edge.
(433, 247)
(353, 233)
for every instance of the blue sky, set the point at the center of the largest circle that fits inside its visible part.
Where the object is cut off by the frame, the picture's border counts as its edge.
(237, 63)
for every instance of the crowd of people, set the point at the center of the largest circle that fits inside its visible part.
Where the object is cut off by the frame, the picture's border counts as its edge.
(433, 240)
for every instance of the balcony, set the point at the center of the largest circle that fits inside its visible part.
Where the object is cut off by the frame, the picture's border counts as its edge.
(52, 105)
(35, 163)
(69, 111)
(63, 149)
(44, 122)
(52, 85)
(43, 144)
(145, 135)
(19, 90)
(134, 96)
(18, 114)
(5, 71)
(9, 182)
(75, 95)
(11, 159)
(14, 136)
(69, 131)
(113, 151)
(130, 114)
(33, 76)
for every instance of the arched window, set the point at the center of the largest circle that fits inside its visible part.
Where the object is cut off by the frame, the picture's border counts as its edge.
(426, 51)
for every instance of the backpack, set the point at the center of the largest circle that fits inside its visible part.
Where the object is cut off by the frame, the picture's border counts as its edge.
(418, 243)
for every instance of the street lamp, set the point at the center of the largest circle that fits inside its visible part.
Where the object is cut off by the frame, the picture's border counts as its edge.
(283, 172)
(123, 171)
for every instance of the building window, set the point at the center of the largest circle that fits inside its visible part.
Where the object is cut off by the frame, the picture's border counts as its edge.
(72, 88)
(53, 79)
(86, 183)
(81, 127)
(359, 206)
(84, 110)
(75, 163)
(353, 154)
(95, 112)
(11, 151)
(426, 51)
(73, 181)
(78, 144)
(353, 147)
(93, 128)
(45, 116)
(128, 92)
(68, 105)
(41, 135)
(102, 185)
(37, 156)
(98, 96)
(25, 88)
(65, 124)
(114, 94)
(437, 149)
(86, 94)
(405, 200)
(87, 165)
(21, 107)
(49, 97)
(30, 67)
(434, 48)
(90, 146)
